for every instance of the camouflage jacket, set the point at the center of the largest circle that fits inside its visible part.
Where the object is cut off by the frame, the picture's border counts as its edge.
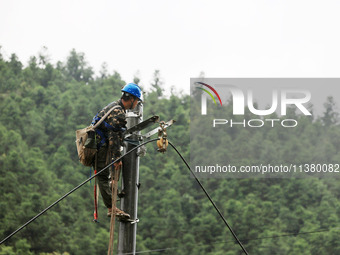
(117, 120)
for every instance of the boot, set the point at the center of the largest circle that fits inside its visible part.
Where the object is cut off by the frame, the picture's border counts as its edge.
(119, 213)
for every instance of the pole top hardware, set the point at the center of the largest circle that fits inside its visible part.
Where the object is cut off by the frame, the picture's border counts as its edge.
(135, 221)
(162, 143)
(155, 131)
(143, 125)
(129, 220)
(132, 114)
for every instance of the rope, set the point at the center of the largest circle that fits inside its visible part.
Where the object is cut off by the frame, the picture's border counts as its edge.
(114, 187)
(212, 202)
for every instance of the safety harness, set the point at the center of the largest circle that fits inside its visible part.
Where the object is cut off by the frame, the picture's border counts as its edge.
(103, 140)
(107, 125)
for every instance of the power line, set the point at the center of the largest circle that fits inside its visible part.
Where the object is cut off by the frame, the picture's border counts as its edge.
(83, 183)
(205, 191)
(210, 199)
(243, 240)
(292, 234)
(73, 190)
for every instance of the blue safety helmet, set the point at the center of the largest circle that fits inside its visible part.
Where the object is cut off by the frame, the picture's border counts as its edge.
(134, 90)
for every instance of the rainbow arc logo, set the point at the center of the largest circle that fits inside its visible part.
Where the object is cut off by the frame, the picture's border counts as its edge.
(209, 93)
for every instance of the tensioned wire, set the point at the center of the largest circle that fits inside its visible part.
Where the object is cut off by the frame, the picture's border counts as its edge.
(109, 165)
(71, 191)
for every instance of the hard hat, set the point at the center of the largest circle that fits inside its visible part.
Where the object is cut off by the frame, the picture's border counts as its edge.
(134, 90)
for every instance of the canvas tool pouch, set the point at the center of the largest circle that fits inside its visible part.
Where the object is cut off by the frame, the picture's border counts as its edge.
(86, 143)
(86, 146)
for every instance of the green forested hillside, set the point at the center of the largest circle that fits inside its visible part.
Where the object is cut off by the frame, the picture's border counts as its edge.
(41, 106)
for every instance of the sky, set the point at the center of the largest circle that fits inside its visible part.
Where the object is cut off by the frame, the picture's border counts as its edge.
(243, 38)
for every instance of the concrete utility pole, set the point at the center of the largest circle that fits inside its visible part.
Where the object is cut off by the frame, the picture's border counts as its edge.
(130, 182)
(130, 175)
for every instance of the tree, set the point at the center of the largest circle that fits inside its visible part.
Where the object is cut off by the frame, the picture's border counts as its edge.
(77, 67)
(15, 64)
(103, 71)
(42, 105)
(136, 78)
(330, 116)
(157, 84)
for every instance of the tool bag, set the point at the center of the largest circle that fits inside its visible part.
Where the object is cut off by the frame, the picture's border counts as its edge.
(86, 142)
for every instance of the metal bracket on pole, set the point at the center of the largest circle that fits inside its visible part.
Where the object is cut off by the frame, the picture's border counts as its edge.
(144, 124)
(133, 115)
(135, 221)
(141, 152)
(140, 126)
(156, 130)
(128, 220)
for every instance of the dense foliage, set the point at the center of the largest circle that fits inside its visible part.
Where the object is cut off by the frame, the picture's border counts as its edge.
(43, 104)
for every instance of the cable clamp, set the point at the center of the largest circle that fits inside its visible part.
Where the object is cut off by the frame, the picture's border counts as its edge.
(162, 143)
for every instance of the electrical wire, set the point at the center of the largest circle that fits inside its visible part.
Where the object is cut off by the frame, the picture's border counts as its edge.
(205, 191)
(73, 190)
(83, 183)
(210, 199)
(243, 240)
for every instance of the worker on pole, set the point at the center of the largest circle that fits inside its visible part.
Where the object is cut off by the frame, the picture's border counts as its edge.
(109, 137)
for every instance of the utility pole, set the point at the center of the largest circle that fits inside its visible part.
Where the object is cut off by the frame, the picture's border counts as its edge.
(130, 174)
(130, 183)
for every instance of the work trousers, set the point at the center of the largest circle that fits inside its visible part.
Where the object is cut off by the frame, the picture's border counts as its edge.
(103, 179)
